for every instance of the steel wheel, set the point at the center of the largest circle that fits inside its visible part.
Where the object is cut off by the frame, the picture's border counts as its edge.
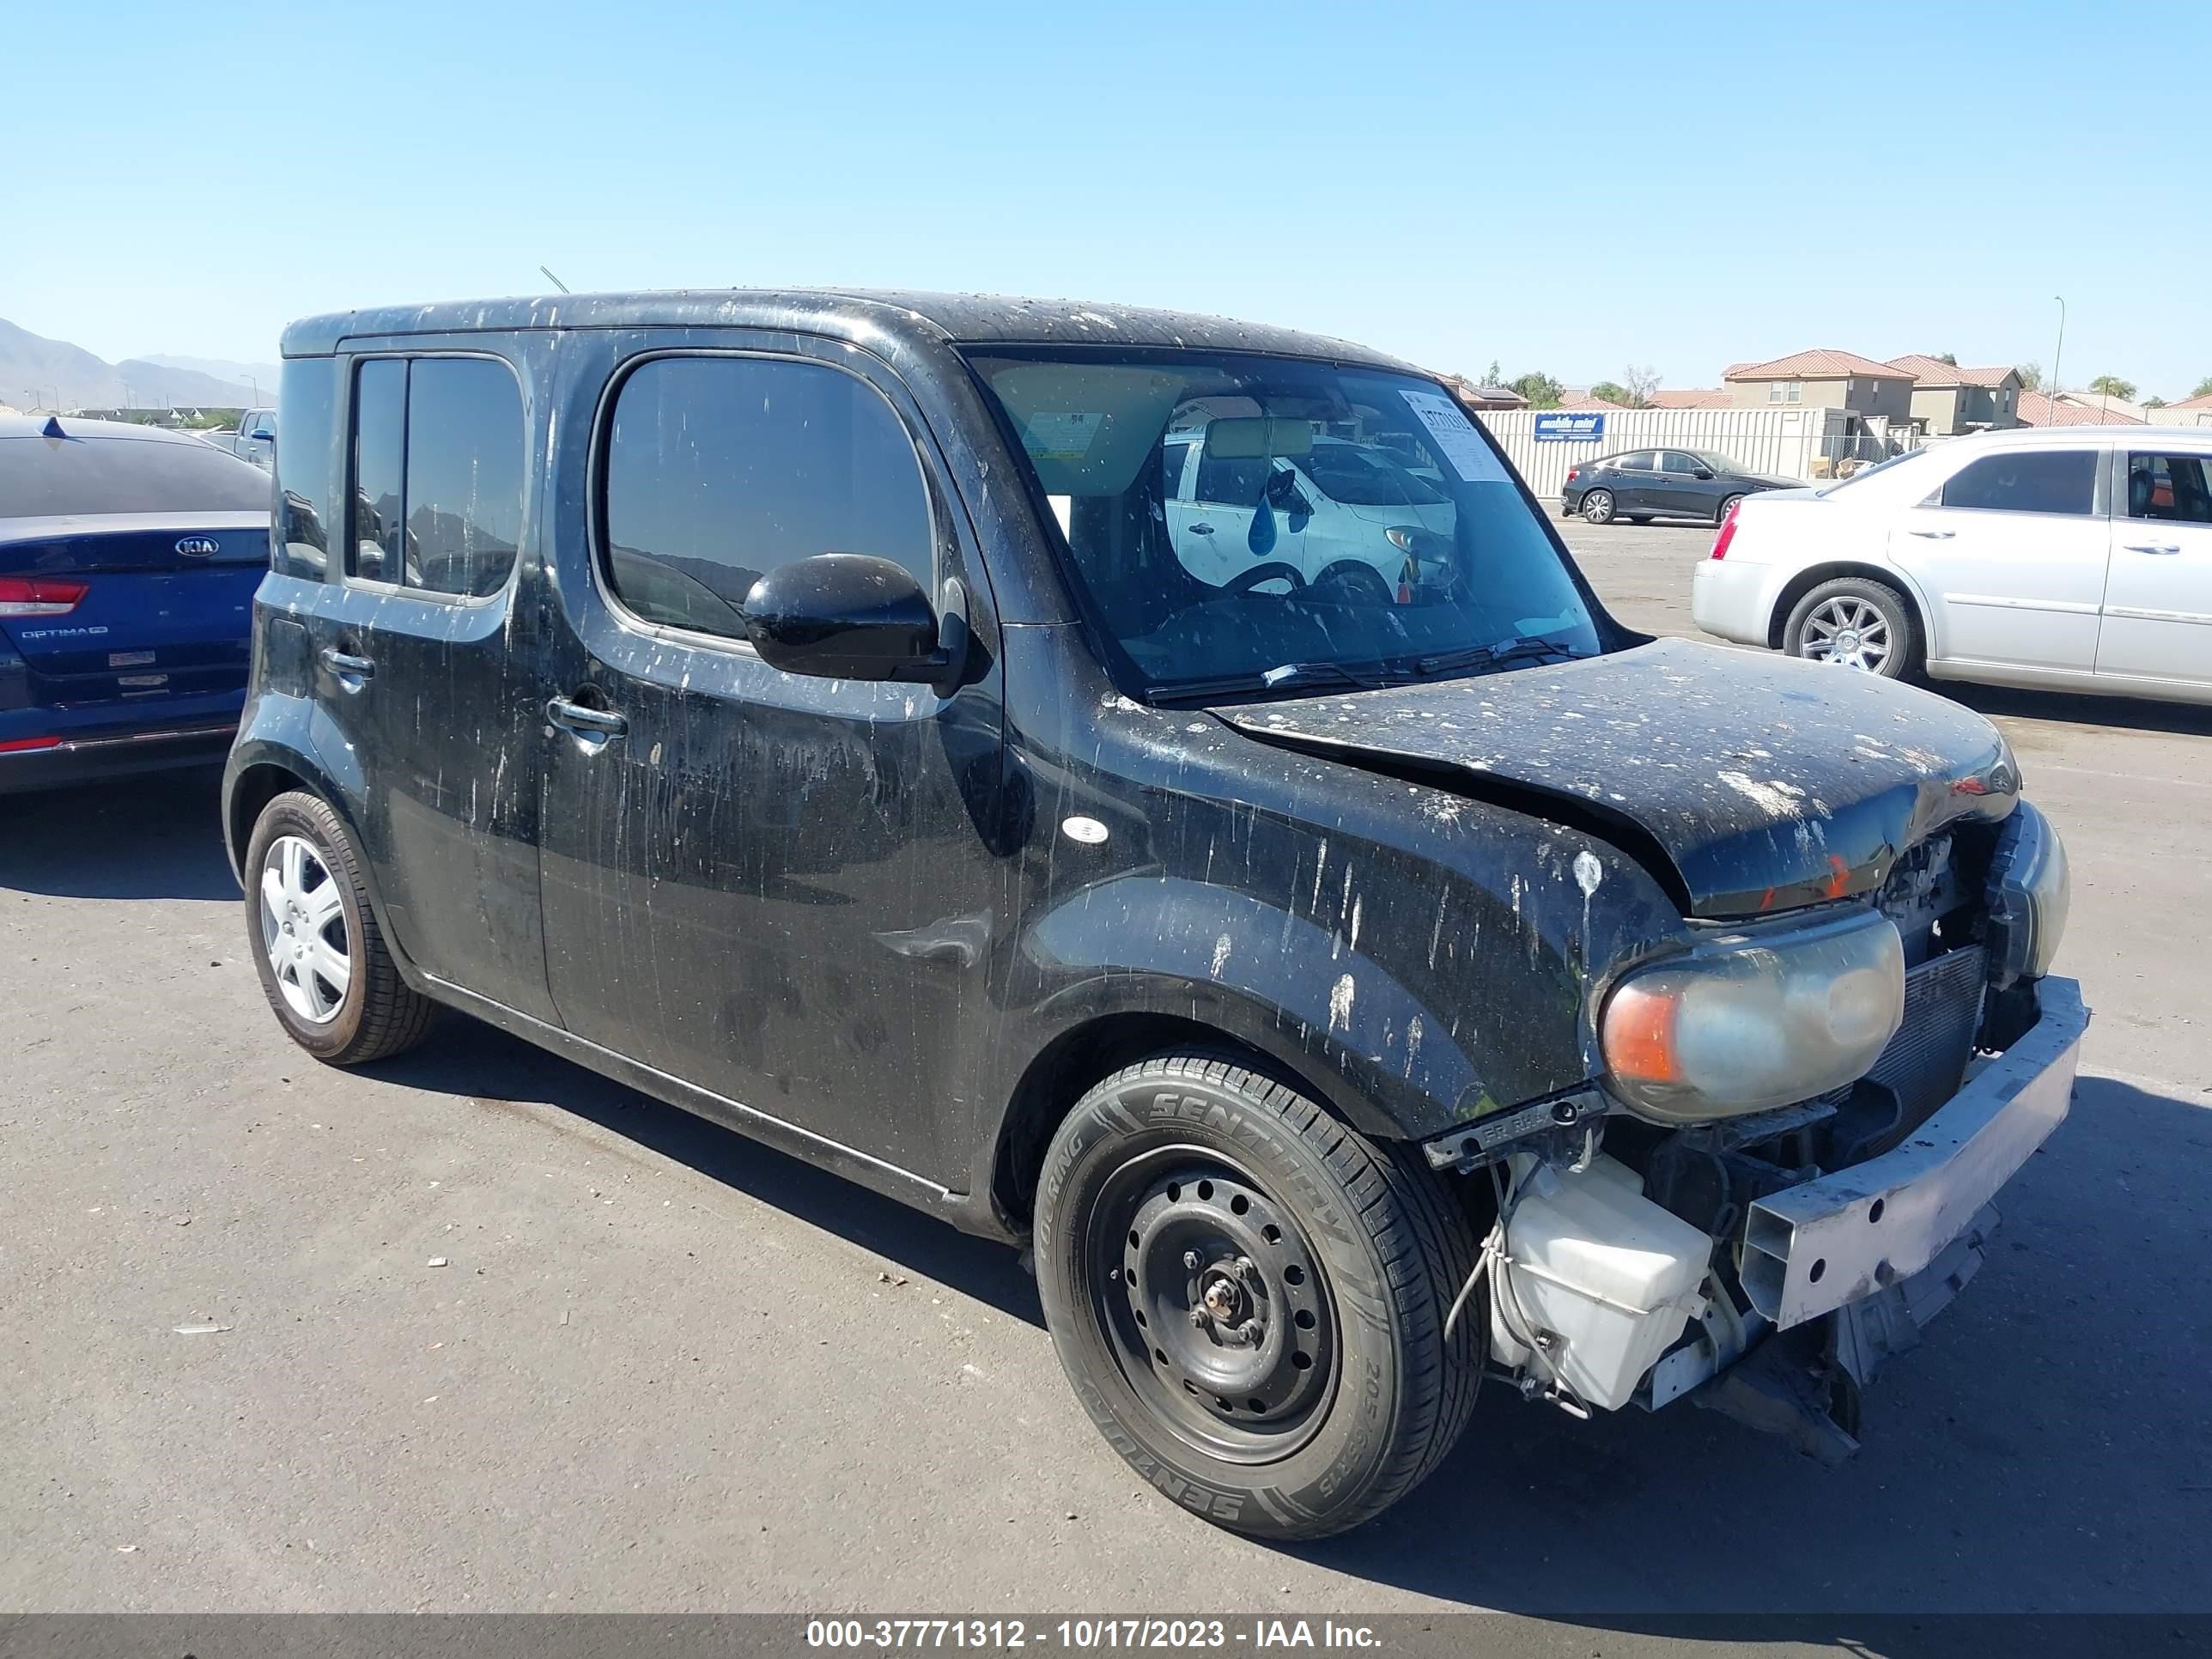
(1848, 632)
(303, 929)
(1214, 1304)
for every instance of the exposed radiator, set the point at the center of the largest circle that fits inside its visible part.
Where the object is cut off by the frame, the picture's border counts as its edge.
(1926, 1060)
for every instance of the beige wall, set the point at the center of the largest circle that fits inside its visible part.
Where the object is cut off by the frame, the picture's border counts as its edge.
(1861, 396)
(1819, 394)
(1938, 406)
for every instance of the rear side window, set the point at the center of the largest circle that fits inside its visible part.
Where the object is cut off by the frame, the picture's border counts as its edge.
(51, 477)
(2178, 488)
(721, 469)
(1638, 462)
(301, 539)
(1231, 482)
(1172, 456)
(2028, 481)
(438, 460)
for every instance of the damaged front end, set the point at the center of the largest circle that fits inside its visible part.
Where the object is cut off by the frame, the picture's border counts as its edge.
(1692, 1225)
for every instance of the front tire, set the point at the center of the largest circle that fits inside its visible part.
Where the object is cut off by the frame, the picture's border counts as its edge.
(323, 965)
(1855, 622)
(1727, 506)
(1597, 507)
(1249, 1298)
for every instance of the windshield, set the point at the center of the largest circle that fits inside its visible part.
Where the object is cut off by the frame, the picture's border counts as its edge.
(1222, 578)
(1882, 469)
(53, 477)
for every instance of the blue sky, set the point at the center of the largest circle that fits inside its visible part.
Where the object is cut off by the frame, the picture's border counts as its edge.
(1681, 186)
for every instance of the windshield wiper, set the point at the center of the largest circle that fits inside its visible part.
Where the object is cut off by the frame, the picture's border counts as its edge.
(1290, 674)
(1492, 656)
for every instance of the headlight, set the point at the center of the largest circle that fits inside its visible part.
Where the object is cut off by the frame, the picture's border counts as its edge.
(2029, 892)
(1748, 1021)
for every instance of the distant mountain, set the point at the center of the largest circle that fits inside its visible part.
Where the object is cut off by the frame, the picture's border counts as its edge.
(221, 369)
(37, 371)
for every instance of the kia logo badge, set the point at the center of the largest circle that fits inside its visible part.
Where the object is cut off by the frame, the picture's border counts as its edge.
(198, 547)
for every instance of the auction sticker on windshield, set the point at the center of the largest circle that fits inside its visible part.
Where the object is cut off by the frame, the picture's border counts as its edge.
(1455, 435)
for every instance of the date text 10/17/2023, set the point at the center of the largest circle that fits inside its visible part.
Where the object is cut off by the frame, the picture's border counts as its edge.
(1085, 1635)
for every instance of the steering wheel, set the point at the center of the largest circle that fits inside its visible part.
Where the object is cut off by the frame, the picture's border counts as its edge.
(1361, 576)
(1245, 581)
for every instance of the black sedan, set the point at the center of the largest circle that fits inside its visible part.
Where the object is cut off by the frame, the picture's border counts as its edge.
(1642, 484)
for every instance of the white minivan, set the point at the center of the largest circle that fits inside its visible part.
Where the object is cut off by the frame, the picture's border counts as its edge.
(1337, 510)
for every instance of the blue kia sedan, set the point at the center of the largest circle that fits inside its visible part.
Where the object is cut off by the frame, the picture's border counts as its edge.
(128, 560)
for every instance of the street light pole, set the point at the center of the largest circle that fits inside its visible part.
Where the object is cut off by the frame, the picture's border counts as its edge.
(2060, 351)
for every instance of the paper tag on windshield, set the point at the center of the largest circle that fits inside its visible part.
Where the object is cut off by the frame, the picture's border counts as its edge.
(1455, 435)
(1062, 435)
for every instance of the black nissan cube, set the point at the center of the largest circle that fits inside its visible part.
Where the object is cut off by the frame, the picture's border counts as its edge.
(957, 740)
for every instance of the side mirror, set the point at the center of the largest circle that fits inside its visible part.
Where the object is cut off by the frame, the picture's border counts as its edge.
(847, 616)
(1701, 472)
(262, 434)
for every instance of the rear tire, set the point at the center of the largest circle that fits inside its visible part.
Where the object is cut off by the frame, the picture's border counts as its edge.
(1856, 623)
(323, 965)
(1249, 1298)
(1597, 507)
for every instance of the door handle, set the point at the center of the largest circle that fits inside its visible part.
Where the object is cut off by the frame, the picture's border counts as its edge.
(2150, 547)
(1201, 530)
(353, 671)
(587, 723)
(1935, 535)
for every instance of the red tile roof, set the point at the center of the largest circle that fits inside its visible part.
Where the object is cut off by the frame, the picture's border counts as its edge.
(1588, 403)
(1934, 372)
(1818, 364)
(2204, 401)
(1703, 397)
(2036, 409)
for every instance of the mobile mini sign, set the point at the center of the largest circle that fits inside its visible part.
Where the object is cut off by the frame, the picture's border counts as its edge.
(1563, 429)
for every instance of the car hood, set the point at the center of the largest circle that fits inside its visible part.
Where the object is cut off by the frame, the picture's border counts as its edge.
(1744, 782)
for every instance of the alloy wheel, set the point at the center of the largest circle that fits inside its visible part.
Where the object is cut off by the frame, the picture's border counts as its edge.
(303, 929)
(1848, 632)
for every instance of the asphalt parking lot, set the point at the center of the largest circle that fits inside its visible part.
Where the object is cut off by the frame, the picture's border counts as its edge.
(666, 1369)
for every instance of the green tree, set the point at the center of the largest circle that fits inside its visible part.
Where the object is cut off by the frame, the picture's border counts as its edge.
(1492, 376)
(2031, 376)
(1950, 357)
(2111, 385)
(2204, 388)
(1541, 390)
(1612, 392)
(2154, 403)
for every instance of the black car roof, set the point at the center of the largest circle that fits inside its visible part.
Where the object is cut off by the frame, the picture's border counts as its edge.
(921, 317)
(73, 426)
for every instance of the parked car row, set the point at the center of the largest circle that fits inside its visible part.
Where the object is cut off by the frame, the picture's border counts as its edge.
(1171, 802)
(1154, 817)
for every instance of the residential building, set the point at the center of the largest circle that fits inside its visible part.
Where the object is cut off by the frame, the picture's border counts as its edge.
(2190, 411)
(1948, 399)
(1824, 380)
(1697, 398)
(2075, 409)
(1483, 397)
